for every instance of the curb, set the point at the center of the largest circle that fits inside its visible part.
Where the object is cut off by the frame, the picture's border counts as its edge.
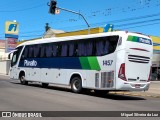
(135, 94)
(4, 74)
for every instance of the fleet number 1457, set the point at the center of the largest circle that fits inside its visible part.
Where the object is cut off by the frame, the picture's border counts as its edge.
(107, 62)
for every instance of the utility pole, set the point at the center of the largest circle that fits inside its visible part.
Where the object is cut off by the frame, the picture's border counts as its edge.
(53, 9)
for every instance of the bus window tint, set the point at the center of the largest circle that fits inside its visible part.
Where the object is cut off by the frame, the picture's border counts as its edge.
(84, 47)
(14, 59)
(36, 51)
(89, 48)
(42, 51)
(81, 49)
(71, 49)
(64, 50)
(16, 56)
(113, 40)
(106, 47)
(54, 50)
(25, 53)
(99, 48)
(48, 50)
(59, 48)
(31, 52)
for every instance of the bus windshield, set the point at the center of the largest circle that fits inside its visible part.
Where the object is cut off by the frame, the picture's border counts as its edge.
(16, 56)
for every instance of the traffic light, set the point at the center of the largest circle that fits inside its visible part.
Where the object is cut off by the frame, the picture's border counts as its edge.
(52, 8)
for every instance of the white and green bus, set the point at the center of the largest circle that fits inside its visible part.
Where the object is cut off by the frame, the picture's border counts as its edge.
(102, 62)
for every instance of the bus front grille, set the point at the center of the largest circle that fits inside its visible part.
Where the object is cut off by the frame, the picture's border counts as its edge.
(138, 59)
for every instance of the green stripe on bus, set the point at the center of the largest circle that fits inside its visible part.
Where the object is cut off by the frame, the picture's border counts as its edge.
(94, 63)
(132, 38)
(135, 39)
(84, 63)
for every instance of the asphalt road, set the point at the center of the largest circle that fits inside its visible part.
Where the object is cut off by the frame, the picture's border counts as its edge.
(32, 97)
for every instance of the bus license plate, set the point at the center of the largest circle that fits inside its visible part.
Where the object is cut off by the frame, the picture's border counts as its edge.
(137, 85)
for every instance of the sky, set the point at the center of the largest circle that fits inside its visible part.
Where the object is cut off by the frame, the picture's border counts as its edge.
(132, 15)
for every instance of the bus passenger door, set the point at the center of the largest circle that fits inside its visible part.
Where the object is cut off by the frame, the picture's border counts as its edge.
(13, 72)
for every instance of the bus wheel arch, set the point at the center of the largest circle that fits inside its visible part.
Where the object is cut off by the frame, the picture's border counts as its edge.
(76, 83)
(22, 78)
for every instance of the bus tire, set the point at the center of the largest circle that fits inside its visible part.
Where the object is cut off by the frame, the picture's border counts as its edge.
(45, 85)
(76, 85)
(22, 79)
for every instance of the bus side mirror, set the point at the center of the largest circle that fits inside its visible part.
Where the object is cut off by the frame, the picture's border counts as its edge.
(9, 56)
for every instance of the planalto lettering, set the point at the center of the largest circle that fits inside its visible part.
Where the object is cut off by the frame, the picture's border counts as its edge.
(146, 41)
(30, 63)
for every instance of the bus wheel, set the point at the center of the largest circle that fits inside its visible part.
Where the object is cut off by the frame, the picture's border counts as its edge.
(45, 85)
(22, 79)
(76, 85)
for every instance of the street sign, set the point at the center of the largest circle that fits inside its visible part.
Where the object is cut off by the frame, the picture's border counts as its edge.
(11, 35)
(11, 28)
(108, 28)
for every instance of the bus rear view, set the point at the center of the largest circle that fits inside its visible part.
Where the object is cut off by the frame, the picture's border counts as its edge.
(134, 69)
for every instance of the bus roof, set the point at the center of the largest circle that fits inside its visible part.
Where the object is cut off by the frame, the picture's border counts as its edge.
(77, 37)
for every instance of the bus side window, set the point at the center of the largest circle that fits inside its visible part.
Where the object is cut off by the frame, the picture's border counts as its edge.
(59, 48)
(42, 51)
(99, 48)
(81, 49)
(31, 52)
(64, 50)
(71, 49)
(94, 48)
(75, 49)
(89, 48)
(36, 51)
(26, 52)
(54, 50)
(49, 50)
(113, 43)
(106, 47)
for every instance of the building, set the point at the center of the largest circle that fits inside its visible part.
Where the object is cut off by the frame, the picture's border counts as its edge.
(2, 50)
(4, 62)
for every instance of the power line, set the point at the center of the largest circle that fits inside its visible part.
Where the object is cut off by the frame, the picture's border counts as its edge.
(129, 19)
(20, 10)
(113, 21)
(121, 25)
(143, 25)
(31, 35)
(115, 9)
(118, 26)
(40, 35)
(134, 23)
(32, 31)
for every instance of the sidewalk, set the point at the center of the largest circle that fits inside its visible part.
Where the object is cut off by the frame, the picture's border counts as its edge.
(4, 76)
(154, 89)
